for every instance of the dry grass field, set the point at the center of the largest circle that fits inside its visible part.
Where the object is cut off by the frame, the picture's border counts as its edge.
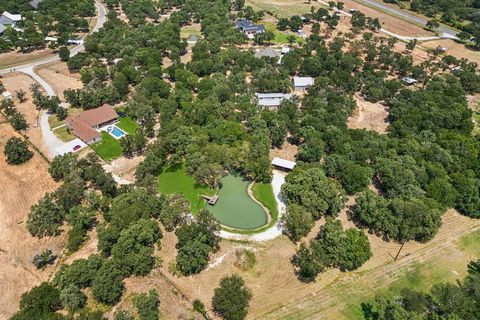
(20, 188)
(14, 58)
(277, 294)
(368, 115)
(59, 77)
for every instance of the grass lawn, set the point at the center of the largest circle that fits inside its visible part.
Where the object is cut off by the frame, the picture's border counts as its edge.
(64, 134)
(263, 192)
(53, 121)
(283, 8)
(127, 124)
(186, 31)
(109, 148)
(280, 36)
(176, 180)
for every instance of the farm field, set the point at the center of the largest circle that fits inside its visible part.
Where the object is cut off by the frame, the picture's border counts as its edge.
(175, 180)
(20, 188)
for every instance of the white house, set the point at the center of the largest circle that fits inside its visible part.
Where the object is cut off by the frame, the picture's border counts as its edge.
(7, 95)
(283, 164)
(271, 100)
(302, 83)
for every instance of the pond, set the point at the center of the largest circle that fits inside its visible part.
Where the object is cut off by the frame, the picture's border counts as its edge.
(235, 209)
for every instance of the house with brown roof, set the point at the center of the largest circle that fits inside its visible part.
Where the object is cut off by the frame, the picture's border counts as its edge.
(86, 126)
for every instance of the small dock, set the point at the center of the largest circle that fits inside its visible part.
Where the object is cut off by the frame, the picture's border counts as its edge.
(212, 200)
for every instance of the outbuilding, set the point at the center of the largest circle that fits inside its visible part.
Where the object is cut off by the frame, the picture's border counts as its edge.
(283, 164)
(409, 81)
(7, 95)
(302, 83)
(271, 100)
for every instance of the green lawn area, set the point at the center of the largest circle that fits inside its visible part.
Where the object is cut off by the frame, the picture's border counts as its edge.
(263, 192)
(127, 124)
(109, 148)
(280, 36)
(284, 8)
(53, 121)
(64, 134)
(186, 31)
(176, 180)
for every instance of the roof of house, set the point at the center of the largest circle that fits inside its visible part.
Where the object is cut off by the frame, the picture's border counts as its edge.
(97, 116)
(247, 25)
(285, 50)
(35, 3)
(193, 38)
(283, 163)
(6, 94)
(81, 130)
(303, 81)
(272, 95)
(2, 28)
(267, 52)
(409, 80)
(12, 17)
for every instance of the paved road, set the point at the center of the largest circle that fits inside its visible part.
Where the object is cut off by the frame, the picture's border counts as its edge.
(444, 30)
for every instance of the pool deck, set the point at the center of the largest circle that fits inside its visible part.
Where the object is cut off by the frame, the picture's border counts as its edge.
(275, 230)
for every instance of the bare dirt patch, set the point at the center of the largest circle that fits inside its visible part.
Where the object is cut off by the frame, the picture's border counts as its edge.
(123, 168)
(368, 115)
(59, 77)
(20, 81)
(287, 151)
(20, 188)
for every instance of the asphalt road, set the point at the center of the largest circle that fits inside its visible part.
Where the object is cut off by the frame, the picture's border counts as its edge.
(408, 16)
(101, 19)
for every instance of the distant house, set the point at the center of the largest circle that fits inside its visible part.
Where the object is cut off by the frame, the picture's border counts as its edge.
(249, 28)
(267, 52)
(285, 50)
(271, 100)
(193, 38)
(8, 19)
(86, 125)
(7, 95)
(35, 3)
(283, 164)
(302, 83)
(409, 81)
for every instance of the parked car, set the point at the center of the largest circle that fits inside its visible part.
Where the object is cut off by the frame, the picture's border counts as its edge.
(77, 147)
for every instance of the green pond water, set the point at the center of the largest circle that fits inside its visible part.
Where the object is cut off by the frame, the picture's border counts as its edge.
(235, 208)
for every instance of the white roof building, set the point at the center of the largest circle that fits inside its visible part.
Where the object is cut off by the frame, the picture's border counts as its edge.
(8, 18)
(284, 164)
(7, 95)
(409, 81)
(285, 50)
(271, 100)
(302, 83)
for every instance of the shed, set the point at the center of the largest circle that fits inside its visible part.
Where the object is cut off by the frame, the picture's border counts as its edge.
(283, 164)
(409, 81)
(271, 100)
(7, 95)
(302, 83)
(193, 38)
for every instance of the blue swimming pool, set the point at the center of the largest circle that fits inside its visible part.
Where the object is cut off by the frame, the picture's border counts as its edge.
(116, 132)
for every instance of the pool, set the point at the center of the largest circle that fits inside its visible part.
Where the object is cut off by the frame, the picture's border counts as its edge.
(235, 209)
(116, 132)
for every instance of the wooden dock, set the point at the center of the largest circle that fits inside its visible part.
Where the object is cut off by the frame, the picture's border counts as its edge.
(212, 200)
